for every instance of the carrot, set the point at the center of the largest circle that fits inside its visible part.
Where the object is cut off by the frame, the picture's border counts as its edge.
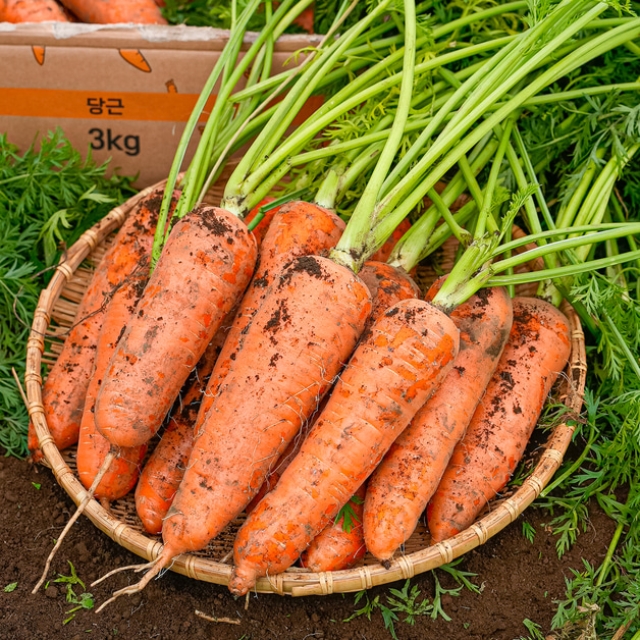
(392, 372)
(31, 11)
(297, 229)
(93, 448)
(387, 285)
(341, 544)
(116, 11)
(64, 391)
(260, 230)
(482, 463)
(205, 266)
(403, 483)
(164, 470)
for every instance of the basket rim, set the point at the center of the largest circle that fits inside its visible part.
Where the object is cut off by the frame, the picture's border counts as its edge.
(295, 582)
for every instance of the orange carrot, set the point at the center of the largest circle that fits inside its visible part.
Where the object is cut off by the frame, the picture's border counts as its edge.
(260, 230)
(163, 472)
(165, 467)
(403, 483)
(394, 369)
(65, 388)
(31, 11)
(482, 463)
(387, 285)
(341, 544)
(93, 448)
(204, 268)
(297, 229)
(116, 11)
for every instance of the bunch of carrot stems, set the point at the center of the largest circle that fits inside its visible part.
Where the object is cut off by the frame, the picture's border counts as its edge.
(416, 117)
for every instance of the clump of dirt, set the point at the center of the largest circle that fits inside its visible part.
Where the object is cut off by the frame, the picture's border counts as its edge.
(518, 580)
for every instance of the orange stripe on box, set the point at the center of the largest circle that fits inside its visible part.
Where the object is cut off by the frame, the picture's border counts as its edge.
(112, 105)
(98, 105)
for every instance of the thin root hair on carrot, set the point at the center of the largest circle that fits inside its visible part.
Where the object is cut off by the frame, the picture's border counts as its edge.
(81, 507)
(155, 569)
(130, 567)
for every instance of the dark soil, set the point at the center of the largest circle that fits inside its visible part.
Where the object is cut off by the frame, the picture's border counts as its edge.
(519, 580)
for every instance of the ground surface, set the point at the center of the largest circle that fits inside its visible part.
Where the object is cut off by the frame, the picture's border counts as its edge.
(520, 580)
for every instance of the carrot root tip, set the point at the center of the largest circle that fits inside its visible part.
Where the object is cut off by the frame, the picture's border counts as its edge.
(242, 581)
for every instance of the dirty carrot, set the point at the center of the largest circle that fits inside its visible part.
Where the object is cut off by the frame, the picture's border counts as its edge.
(116, 11)
(403, 483)
(93, 447)
(341, 544)
(64, 391)
(394, 369)
(206, 265)
(163, 471)
(31, 11)
(484, 460)
(387, 285)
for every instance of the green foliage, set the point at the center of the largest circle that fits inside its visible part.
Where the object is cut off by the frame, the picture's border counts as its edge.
(407, 603)
(528, 531)
(535, 630)
(218, 14)
(348, 516)
(11, 587)
(48, 197)
(83, 601)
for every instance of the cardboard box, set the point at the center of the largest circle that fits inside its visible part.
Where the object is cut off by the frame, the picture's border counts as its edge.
(124, 91)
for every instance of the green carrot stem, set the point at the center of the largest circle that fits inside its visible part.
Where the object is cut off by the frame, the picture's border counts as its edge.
(359, 166)
(485, 208)
(597, 47)
(539, 238)
(461, 234)
(193, 186)
(563, 272)
(569, 243)
(247, 176)
(416, 244)
(190, 127)
(357, 231)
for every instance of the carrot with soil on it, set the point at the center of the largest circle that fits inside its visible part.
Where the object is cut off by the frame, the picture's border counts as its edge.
(205, 267)
(93, 447)
(109, 473)
(65, 388)
(31, 11)
(113, 12)
(482, 463)
(163, 471)
(403, 483)
(340, 545)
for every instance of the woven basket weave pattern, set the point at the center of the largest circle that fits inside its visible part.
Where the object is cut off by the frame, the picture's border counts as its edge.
(59, 301)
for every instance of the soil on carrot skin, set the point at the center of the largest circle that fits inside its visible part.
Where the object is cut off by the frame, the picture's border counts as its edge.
(519, 580)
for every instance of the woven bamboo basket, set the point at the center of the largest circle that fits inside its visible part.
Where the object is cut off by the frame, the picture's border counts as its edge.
(55, 314)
